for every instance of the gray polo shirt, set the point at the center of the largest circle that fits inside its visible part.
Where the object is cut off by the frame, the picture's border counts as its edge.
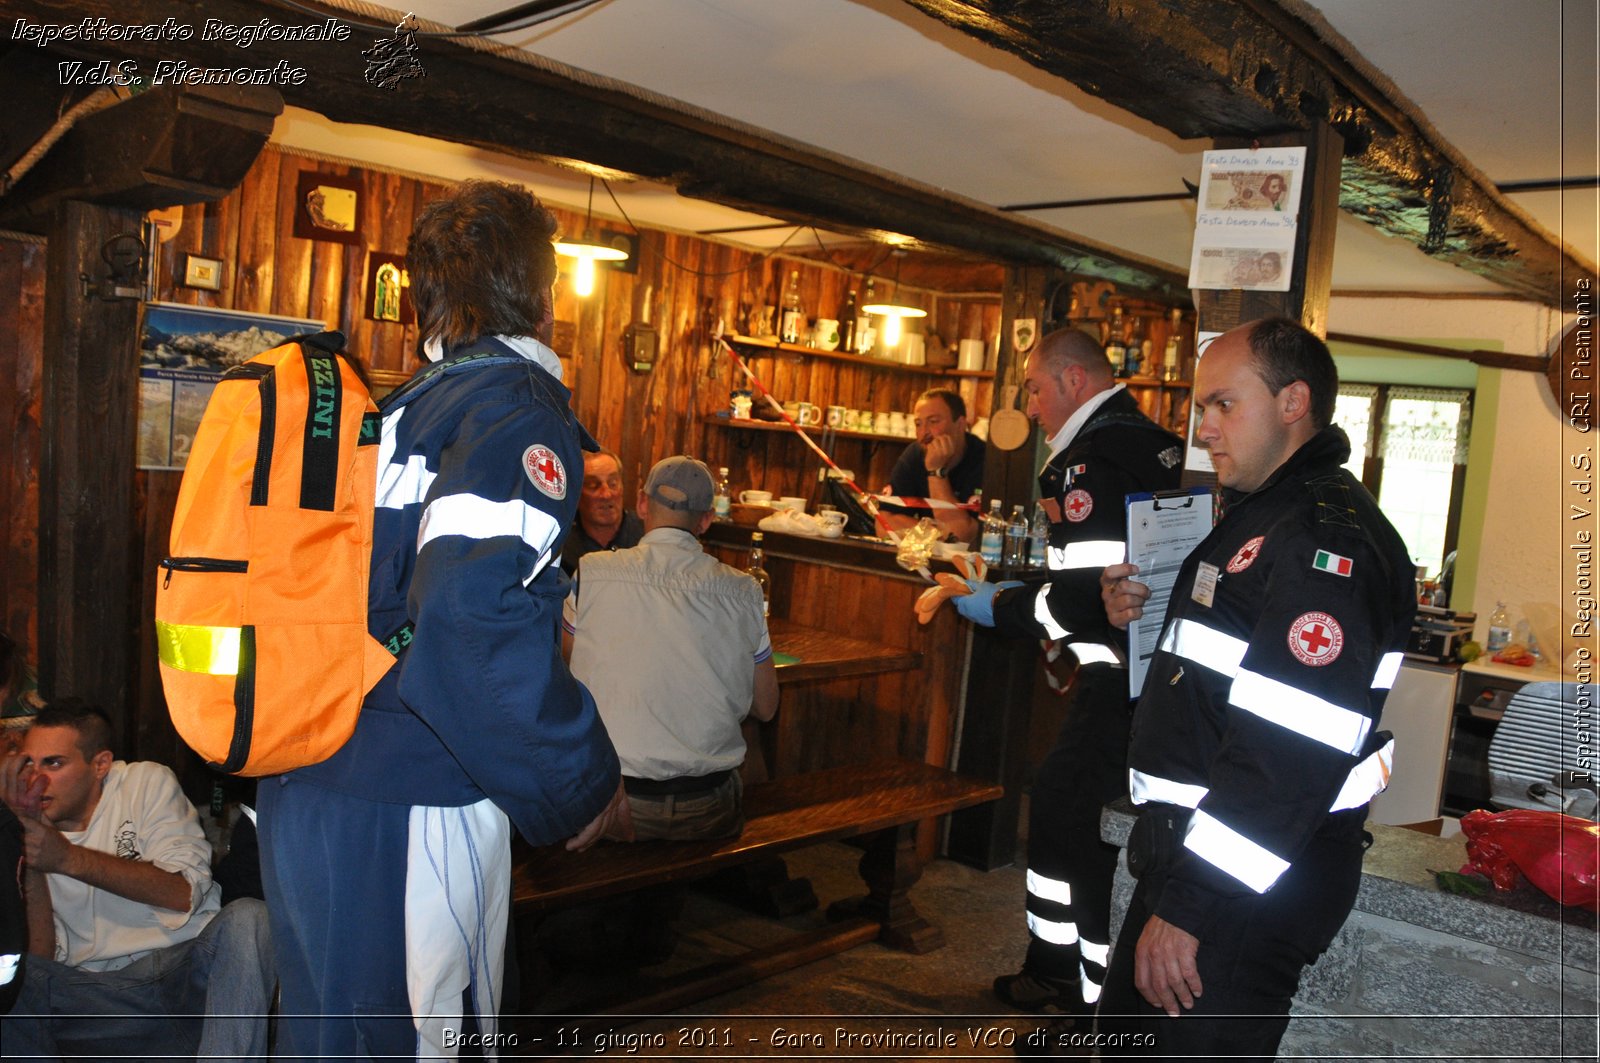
(667, 638)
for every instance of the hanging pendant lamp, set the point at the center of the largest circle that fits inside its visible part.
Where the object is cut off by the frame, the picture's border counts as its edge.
(588, 251)
(894, 311)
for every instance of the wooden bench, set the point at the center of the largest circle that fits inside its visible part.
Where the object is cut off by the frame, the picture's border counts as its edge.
(881, 802)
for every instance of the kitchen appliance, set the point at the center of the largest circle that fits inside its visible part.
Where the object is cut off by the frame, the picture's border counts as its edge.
(1436, 634)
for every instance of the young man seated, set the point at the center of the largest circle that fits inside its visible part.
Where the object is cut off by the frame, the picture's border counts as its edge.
(130, 951)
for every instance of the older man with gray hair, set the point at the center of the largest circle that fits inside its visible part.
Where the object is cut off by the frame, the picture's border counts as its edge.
(674, 647)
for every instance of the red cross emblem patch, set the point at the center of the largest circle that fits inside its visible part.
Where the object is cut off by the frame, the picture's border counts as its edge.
(544, 468)
(1078, 504)
(1247, 554)
(1316, 639)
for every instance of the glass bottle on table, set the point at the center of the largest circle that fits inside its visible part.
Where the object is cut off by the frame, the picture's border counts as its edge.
(758, 569)
(1016, 549)
(1038, 537)
(991, 545)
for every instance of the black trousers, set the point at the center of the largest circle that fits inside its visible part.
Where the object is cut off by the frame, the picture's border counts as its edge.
(1250, 960)
(1087, 768)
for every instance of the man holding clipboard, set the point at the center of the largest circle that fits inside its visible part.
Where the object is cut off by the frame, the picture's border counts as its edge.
(1254, 748)
(1101, 449)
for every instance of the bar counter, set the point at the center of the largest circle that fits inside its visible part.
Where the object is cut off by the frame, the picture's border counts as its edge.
(871, 682)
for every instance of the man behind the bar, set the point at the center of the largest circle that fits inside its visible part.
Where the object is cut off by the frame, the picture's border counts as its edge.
(945, 463)
(1254, 751)
(387, 867)
(604, 520)
(675, 647)
(1101, 449)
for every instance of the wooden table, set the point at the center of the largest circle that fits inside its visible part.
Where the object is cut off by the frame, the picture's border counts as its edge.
(828, 655)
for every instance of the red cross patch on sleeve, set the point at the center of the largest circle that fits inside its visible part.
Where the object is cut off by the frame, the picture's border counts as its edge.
(1315, 639)
(545, 470)
(1078, 504)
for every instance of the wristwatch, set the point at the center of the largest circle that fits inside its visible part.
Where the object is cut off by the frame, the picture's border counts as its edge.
(938, 474)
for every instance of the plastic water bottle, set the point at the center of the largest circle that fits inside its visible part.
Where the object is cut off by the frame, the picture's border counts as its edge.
(1017, 538)
(1038, 537)
(1499, 628)
(722, 501)
(992, 544)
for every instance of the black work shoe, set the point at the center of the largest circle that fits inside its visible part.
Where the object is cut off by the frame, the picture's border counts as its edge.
(1040, 994)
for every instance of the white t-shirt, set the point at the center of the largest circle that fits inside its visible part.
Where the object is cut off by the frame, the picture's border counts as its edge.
(142, 815)
(666, 638)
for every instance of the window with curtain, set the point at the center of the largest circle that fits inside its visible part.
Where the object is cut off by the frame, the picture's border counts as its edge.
(1408, 445)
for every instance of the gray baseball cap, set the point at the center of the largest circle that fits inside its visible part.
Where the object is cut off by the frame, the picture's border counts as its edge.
(681, 483)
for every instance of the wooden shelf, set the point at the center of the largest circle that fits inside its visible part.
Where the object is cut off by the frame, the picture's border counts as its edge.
(752, 424)
(1152, 382)
(771, 344)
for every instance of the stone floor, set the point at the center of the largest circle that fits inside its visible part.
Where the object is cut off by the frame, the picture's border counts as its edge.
(870, 1001)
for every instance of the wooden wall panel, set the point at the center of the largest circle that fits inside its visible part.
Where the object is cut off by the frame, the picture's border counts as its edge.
(21, 412)
(691, 284)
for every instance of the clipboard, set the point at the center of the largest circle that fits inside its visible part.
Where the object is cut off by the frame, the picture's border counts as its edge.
(1164, 527)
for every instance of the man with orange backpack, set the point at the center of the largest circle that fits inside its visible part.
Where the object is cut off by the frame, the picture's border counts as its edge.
(386, 867)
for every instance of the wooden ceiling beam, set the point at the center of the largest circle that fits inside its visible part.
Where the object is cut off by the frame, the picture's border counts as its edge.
(540, 110)
(1250, 68)
(167, 146)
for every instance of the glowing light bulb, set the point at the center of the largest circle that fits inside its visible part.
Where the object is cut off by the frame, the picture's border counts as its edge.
(891, 329)
(583, 277)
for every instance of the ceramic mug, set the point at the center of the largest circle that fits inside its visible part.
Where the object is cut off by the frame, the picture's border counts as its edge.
(825, 334)
(832, 518)
(755, 498)
(741, 407)
(794, 502)
(880, 423)
(810, 414)
(835, 417)
(852, 420)
(897, 423)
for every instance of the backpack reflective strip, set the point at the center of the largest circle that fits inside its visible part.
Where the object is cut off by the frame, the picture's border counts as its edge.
(195, 648)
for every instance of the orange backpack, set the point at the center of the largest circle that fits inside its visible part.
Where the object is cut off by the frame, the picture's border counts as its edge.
(261, 613)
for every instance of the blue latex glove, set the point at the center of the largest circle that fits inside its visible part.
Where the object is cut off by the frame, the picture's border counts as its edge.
(978, 606)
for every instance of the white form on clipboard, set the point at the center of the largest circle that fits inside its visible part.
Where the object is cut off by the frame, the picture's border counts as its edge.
(1163, 527)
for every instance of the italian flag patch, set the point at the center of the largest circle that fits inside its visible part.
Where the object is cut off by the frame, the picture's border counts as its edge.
(1334, 563)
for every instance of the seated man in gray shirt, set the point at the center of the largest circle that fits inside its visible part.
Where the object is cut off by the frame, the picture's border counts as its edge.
(674, 647)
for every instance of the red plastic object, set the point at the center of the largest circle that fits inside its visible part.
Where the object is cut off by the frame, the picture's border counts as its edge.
(1558, 854)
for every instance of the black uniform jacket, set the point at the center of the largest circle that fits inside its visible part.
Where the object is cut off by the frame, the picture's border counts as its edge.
(1118, 451)
(1282, 639)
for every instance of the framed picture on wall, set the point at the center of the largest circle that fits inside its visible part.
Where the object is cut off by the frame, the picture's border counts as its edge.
(183, 352)
(388, 288)
(202, 272)
(328, 207)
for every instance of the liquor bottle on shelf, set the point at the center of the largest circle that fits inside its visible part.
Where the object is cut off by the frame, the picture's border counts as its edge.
(866, 335)
(847, 324)
(758, 557)
(1016, 549)
(722, 501)
(792, 323)
(991, 546)
(1116, 347)
(1038, 537)
(1132, 347)
(1172, 358)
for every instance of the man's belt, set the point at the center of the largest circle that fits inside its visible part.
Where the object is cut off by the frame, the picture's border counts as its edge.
(683, 784)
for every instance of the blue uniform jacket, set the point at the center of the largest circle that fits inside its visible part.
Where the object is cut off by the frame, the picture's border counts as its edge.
(478, 477)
